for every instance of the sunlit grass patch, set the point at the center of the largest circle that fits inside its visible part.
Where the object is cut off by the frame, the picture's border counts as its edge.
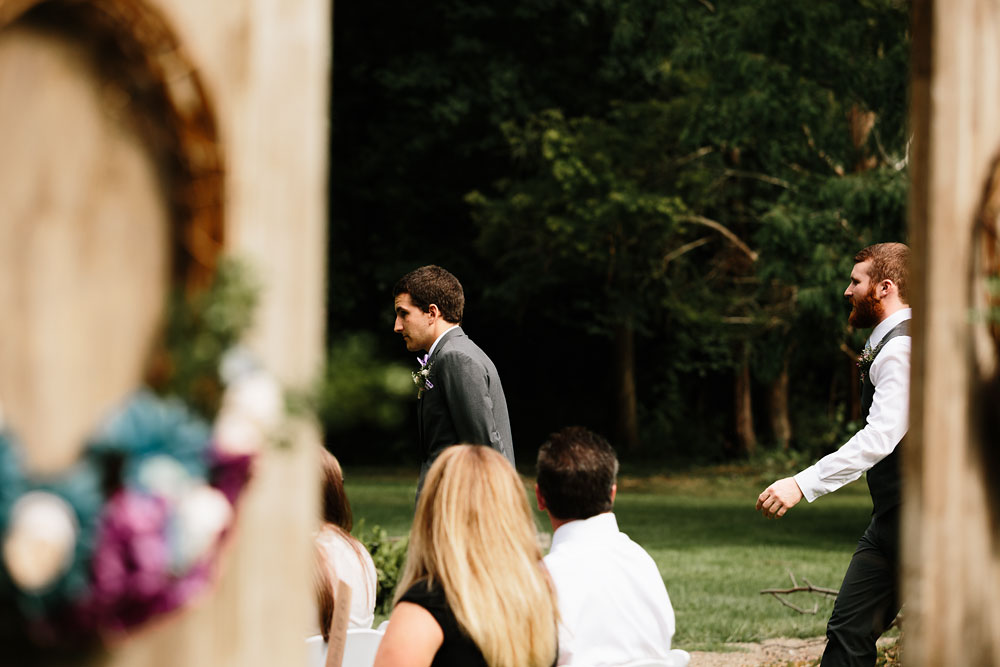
(715, 552)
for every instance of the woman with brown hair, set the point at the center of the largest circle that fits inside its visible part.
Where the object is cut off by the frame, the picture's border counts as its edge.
(345, 558)
(474, 590)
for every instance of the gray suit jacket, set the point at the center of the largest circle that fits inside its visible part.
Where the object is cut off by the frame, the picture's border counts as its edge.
(466, 404)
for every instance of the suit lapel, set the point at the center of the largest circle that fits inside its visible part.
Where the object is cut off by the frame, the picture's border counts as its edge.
(451, 333)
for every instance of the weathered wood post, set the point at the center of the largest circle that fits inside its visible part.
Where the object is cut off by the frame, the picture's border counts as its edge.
(84, 215)
(951, 540)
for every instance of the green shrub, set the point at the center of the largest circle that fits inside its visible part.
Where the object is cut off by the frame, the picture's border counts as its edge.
(389, 555)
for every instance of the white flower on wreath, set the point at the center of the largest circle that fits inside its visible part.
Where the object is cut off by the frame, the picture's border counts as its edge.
(252, 407)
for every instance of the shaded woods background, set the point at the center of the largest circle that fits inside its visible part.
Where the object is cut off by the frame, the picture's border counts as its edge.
(652, 206)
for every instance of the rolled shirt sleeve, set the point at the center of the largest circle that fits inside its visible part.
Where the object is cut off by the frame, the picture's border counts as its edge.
(888, 420)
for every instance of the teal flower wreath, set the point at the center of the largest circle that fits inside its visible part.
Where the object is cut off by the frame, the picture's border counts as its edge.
(132, 530)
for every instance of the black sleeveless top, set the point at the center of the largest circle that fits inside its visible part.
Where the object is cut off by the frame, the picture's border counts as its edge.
(884, 478)
(457, 649)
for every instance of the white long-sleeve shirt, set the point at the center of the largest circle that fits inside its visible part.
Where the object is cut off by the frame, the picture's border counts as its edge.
(613, 605)
(888, 417)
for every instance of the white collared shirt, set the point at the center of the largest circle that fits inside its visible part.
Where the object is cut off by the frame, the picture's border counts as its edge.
(613, 606)
(438, 339)
(888, 417)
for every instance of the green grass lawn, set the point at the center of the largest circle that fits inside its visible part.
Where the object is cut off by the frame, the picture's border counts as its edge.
(714, 550)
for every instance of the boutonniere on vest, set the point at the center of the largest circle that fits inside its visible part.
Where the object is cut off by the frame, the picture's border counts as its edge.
(865, 361)
(421, 378)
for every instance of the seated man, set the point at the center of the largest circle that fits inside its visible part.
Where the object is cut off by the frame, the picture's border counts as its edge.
(613, 605)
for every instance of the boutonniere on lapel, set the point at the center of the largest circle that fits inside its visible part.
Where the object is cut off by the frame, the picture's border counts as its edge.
(422, 378)
(865, 362)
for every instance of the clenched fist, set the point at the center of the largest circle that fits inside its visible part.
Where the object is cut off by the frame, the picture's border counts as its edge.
(779, 498)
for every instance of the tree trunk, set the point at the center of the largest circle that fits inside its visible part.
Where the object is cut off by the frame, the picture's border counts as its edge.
(624, 369)
(781, 424)
(745, 436)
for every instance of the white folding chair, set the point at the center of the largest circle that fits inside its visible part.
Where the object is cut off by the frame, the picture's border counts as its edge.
(315, 651)
(361, 646)
(676, 658)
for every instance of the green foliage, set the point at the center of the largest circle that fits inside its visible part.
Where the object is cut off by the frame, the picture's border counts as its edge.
(201, 326)
(361, 395)
(389, 556)
(992, 313)
(589, 212)
(582, 148)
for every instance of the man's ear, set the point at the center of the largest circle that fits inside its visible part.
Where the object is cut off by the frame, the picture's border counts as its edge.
(539, 499)
(434, 311)
(614, 492)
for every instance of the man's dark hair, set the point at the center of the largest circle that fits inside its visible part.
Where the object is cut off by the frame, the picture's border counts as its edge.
(889, 261)
(576, 469)
(432, 284)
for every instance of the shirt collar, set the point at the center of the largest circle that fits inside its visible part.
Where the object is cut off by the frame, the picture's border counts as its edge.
(886, 325)
(598, 527)
(438, 339)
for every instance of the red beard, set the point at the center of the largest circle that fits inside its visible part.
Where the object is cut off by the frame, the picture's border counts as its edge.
(867, 311)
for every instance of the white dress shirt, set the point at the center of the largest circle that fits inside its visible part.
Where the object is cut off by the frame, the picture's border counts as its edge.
(888, 417)
(613, 606)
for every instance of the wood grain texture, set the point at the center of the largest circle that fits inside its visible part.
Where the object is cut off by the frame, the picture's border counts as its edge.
(265, 65)
(83, 248)
(952, 566)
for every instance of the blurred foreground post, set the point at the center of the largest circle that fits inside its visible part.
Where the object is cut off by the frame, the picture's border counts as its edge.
(951, 533)
(85, 256)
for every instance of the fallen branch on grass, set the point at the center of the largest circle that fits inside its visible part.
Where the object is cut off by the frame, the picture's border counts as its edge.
(796, 588)
(818, 590)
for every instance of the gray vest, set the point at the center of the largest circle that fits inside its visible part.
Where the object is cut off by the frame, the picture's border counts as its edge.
(884, 478)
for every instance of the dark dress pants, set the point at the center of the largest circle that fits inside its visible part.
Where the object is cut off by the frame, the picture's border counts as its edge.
(869, 597)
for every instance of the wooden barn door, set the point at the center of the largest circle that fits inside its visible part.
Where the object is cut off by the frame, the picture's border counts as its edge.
(952, 468)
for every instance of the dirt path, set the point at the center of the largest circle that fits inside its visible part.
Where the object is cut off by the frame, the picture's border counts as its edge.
(783, 652)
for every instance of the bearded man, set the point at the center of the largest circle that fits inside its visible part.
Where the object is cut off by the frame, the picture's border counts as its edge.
(869, 596)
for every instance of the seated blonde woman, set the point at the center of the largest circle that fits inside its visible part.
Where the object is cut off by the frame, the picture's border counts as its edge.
(474, 590)
(345, 557)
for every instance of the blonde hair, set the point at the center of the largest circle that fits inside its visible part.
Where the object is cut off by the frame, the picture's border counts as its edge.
(474, 534)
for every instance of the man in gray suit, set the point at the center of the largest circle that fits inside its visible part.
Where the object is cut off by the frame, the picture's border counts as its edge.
(460, 398)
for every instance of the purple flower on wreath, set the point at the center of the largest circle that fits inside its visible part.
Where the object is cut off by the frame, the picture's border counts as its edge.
(229, 473)
(422, 378)
(131, 576)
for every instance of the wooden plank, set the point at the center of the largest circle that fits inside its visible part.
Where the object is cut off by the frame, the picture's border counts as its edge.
(951, 564)
(83, 248)
(266, 65)
(338, 625)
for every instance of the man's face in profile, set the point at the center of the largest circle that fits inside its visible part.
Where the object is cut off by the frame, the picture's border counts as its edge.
(866, 308)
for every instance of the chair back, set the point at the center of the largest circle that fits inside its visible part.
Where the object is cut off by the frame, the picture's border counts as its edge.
(676, 658)
(315, 651)
(359, 649)
(361, 646)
